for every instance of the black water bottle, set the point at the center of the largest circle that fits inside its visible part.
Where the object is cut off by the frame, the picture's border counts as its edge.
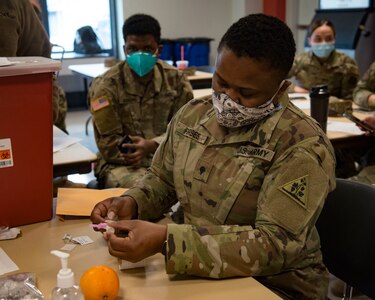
(319, 99)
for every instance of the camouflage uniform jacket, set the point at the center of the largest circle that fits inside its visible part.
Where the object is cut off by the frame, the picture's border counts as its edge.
(339, 72)
(21, 32)
(251, 197)
(121, 105)
(365, 87)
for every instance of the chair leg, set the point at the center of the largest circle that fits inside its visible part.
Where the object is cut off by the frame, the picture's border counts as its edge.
(87, 125)
(348, 290)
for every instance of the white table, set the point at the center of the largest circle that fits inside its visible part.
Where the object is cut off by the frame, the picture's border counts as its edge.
(76, 158)
(150, 282)
(90, 71)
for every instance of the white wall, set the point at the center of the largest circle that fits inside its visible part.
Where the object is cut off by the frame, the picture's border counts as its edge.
(193, 18)
(199, 18)
(303, 16)
(242, 8)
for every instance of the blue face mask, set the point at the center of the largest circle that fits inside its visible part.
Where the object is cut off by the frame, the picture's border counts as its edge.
(141, 62)
(322, 50)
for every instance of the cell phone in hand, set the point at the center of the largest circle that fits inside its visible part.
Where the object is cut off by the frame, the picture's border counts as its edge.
(360, 123)
(125, 140)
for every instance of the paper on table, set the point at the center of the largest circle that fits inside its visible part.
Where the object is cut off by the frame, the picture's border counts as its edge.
(301, 104)
(346, 127)
(6, 264)
(60, 142)
(299, 96)
(124, 265)
(80, 202)
(5, 62)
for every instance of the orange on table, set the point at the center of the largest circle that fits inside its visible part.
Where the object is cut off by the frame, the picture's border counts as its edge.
(100, 283)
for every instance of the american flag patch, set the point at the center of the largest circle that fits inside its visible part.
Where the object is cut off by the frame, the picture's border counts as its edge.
(99, 103)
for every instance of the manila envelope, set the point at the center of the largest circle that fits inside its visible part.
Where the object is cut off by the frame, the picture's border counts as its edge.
(80, 202)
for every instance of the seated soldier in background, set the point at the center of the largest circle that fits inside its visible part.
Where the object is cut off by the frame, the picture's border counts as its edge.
(138, 98)
(367, 174)
(324, 65)
(364, 93)
(22, 34)
(364, 96)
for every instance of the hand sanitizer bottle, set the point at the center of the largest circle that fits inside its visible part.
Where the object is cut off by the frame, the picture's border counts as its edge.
(65, 289)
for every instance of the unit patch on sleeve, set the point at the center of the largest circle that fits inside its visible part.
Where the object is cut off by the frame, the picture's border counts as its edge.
(297, 190)
(99, 103)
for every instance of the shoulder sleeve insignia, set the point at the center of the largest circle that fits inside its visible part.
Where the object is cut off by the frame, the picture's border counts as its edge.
(99, 103)
(297, 190)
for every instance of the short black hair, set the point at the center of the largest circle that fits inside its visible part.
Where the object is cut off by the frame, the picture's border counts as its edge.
(317, 23)
(141, 24)
(263, 38)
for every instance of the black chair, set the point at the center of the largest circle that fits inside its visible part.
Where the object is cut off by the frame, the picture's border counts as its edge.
(347, 232)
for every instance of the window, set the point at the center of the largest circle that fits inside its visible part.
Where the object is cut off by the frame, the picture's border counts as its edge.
(63, 18)
(345, 4)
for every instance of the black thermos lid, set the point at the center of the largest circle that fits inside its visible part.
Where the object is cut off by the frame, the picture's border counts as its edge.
(320, 91)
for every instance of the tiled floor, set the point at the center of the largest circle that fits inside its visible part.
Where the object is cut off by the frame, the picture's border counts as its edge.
(76, 121)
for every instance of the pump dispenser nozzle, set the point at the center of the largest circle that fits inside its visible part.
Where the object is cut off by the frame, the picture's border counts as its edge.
(65, 289)
(65, 277)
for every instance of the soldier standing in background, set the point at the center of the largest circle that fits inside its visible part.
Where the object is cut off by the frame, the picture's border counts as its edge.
(137, 98)
(250, 170)
(37, 8)
(22, 34)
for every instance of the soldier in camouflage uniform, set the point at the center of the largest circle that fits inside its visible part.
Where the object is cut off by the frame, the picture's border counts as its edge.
(250, 170)
(364, 96)
(135, 99)
(367, 174)
(22, 34)
(324, 65)
(364, 93)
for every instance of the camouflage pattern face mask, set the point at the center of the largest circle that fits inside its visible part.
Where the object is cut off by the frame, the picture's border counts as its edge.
(230, 114)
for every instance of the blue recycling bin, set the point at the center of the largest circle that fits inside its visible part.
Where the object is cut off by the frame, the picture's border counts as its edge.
(196, 50)
(167, 52)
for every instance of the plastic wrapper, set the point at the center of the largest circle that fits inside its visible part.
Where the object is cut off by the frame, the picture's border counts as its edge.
(19, 286)
(7, 233)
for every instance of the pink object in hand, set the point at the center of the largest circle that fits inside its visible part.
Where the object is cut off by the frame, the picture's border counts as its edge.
(99, 226)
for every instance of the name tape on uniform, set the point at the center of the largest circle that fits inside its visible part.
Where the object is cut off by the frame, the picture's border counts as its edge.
(195, 135)
(250, 151)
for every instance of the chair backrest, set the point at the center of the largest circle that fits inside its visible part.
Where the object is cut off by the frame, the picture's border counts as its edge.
(347, 232)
